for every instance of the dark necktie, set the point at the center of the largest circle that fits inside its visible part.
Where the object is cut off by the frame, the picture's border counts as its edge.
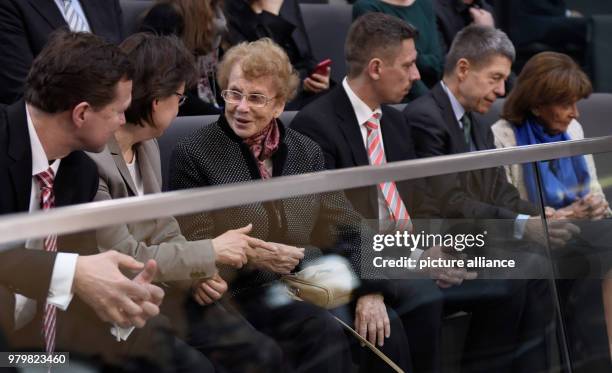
(466, 121)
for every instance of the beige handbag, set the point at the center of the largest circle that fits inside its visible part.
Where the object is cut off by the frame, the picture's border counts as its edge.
(329, 283)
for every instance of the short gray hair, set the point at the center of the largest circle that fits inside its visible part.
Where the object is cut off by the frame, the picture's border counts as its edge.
(477, 44)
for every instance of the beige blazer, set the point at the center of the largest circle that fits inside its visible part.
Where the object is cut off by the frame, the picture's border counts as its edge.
(159, 239)
(505, 137)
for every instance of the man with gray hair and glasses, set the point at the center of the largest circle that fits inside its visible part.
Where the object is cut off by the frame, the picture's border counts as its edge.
(475, 72)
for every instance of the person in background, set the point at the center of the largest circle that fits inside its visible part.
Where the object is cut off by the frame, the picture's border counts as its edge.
(420, 14)
(281, 21)
(542, 109)
(453, 15)
(201, 26)
(25, 27)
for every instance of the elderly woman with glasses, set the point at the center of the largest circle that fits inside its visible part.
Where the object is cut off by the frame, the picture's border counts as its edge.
(247, 143)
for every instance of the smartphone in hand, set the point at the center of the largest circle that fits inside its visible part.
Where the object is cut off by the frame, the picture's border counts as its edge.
(321, 67)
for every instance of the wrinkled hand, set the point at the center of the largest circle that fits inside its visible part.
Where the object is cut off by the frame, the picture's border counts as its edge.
(371, 319)
(598, 206)
(316, 83)
(447, 277)
(114, 297)
(482, 17)
(210, 290)
(276, 257)
(231, 247)
(559, 231)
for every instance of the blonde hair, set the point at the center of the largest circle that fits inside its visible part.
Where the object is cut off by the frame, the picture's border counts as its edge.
(261, 58)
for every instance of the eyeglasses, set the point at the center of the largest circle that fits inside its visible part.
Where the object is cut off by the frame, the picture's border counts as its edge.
(252, 99)
(182, 98)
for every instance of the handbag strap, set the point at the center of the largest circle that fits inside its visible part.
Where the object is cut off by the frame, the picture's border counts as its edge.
(374, 349)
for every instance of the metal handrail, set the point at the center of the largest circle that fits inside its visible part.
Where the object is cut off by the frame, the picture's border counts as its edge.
(23, 226)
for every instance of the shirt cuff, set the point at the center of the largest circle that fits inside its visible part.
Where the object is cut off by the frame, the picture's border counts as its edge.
(121, 334)
(519, 226)
(415, 255)
(60, 290)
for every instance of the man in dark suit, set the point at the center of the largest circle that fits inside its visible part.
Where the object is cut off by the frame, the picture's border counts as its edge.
(477, 65)
(381, 69)
(76, 93)
(26, 25)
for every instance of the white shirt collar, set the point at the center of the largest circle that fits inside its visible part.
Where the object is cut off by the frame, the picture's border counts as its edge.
(362, 110)
(458, 109)
(40, 162)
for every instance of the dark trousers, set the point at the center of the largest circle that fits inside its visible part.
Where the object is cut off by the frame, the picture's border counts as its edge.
(310, 338)
(223, 335)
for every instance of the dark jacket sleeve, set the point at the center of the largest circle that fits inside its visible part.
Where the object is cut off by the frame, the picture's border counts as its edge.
(16, 56)
(432, 139)
(27, 272)
(312, 127)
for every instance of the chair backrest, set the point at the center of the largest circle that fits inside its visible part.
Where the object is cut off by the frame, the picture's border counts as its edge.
(133, 11)
(180, 128)
(327, 26)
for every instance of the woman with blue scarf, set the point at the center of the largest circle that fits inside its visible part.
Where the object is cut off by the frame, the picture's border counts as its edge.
(542, 109)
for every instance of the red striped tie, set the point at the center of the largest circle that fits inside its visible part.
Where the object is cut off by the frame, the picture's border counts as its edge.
(376, 153)
(47, 201)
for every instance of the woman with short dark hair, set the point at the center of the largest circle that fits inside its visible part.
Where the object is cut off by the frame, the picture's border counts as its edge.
(130, 166)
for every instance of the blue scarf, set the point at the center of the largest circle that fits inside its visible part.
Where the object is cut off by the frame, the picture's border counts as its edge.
(564, 180)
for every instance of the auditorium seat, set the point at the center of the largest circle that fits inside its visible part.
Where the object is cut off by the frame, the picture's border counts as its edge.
(133, 10)
(327, 26)
(184, 126)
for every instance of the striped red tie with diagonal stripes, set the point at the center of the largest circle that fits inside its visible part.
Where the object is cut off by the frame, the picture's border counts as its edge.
(376, 153)
(47, 201)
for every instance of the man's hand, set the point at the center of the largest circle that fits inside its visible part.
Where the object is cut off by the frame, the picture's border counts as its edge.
(371, 319)
(316, 83)
(231, 247)
(114, 297)
(482, 17)
(447, 277)
(209, 290)
(276, 257)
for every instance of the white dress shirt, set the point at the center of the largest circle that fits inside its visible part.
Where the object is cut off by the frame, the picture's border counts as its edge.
(60, 289)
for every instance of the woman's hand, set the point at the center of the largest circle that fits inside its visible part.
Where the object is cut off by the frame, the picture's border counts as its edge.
(209, 290)
(371, 319)
(276, 257)
(231, 247)
(598, 206)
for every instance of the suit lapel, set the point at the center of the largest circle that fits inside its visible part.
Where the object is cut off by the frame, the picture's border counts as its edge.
(444, 103)
(350, 127)
(391, 140)
(21, 153)
(352, 134)
(115, 151)
(479, 133)
(50, 12)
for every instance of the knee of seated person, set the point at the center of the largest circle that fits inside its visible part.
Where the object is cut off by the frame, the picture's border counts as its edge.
(419, 294)
(268, 355)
